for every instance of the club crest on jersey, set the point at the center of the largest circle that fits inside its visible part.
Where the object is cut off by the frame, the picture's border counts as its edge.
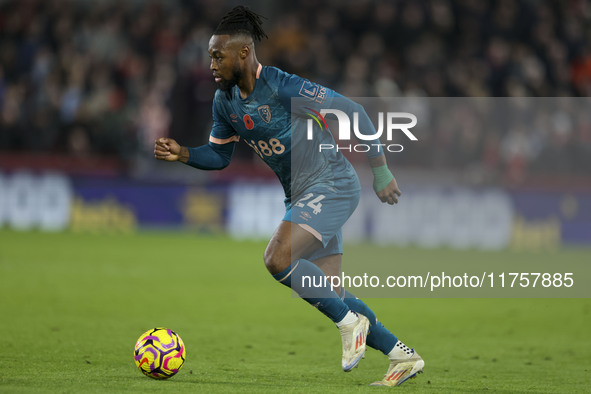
(265, 113)
(234, 118)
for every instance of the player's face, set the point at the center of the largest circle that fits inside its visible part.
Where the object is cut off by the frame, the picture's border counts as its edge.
(225, 63)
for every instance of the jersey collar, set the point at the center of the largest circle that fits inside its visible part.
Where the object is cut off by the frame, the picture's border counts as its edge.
(249, 98)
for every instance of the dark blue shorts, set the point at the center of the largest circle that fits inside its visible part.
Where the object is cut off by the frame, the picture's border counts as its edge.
(323, 211)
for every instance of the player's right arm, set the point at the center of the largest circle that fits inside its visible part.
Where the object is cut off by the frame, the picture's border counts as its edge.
(206, 157)
(214, 156)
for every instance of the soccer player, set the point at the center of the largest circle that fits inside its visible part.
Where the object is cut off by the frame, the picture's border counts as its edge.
(321, 187)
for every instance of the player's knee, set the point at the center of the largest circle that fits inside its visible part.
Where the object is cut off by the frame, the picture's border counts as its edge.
(276, 259)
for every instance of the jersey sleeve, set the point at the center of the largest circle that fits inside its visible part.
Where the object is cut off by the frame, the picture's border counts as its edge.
(309, 94)
(222, 140)
(313, 98)
(221, 132)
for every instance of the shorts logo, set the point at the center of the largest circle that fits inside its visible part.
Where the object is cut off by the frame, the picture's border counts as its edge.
(265, 113)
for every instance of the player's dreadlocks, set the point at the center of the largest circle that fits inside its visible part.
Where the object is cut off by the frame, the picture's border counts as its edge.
(242, 20)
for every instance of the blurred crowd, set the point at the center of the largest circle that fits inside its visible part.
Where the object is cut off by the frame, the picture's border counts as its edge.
(82, 78)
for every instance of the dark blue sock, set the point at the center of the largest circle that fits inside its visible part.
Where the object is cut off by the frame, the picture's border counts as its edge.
(379, 337)
(309, 282)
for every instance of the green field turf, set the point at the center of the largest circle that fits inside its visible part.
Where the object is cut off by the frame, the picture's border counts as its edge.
(73, 306)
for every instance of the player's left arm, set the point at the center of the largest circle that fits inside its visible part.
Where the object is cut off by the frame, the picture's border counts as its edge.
(317, 97)
(384, 183)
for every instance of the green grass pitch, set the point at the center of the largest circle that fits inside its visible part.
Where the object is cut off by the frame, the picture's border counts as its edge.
(73, 306)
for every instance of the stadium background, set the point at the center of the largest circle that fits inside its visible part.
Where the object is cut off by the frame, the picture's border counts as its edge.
(86, 86)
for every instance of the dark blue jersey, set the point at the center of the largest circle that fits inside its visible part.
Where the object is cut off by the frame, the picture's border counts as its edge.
(264, 121)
